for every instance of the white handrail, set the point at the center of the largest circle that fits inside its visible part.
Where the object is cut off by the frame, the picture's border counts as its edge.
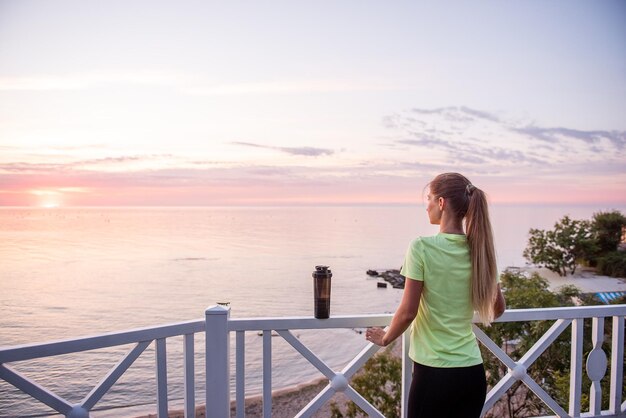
(75, 345)
(218, 325)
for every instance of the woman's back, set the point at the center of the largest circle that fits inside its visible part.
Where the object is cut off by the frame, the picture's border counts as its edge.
(442, 332)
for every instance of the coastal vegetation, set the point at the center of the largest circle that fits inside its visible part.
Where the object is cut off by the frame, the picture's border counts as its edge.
(609, 229)
(572, 242)
(613, 264)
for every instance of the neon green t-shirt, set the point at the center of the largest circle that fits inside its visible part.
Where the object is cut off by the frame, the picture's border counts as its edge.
(441, 333)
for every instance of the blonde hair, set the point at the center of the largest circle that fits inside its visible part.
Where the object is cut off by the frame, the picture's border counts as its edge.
(465, 201)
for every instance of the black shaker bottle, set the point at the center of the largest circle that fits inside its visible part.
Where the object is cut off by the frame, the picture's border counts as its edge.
(321, 287)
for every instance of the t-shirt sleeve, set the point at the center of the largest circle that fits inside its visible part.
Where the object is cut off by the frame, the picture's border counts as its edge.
(413, 267)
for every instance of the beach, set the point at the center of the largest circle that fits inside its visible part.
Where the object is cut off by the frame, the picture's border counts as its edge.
(286, 403)
(585, 279)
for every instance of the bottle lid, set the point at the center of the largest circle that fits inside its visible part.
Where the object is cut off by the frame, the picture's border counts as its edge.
(322, 271)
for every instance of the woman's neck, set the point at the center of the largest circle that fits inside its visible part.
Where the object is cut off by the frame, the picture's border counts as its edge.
(451, 226)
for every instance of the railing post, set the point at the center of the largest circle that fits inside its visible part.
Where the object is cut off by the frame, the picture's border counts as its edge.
(190, 379)
(161, 377)
(217, 362)
(407, 372)
(576, 367)
(617, 365)
(267, 373)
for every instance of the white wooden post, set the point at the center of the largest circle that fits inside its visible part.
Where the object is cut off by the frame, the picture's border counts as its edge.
(161, 378)
(267, 373)
(240, 378)
(407, 372)
(576, 368)
(190, 379)
(617, 365)
(217, 362)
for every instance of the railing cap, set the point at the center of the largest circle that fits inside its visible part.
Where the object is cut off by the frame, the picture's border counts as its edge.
(217, 310)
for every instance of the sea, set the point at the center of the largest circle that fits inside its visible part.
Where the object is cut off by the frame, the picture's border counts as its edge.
(72, 272)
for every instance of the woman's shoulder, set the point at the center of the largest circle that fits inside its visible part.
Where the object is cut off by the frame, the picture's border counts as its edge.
(426, 244)
(421, 242)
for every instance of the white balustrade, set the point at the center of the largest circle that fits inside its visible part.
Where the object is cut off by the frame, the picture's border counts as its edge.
(217, 325)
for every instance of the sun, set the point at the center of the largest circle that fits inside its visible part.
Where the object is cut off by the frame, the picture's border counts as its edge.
(50, 205)
(47, 198)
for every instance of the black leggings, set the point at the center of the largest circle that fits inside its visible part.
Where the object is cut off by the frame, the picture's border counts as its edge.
(455, 392)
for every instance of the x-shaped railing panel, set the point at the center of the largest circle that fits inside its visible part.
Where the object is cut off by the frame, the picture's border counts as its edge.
(63, 406)
(338, 381)
(517, 370)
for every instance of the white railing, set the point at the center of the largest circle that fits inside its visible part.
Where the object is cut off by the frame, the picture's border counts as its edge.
(218, 327)
(142, 338)
(596, 364)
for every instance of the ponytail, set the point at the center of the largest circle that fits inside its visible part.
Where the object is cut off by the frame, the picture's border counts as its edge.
(467, 201)
(483, 255)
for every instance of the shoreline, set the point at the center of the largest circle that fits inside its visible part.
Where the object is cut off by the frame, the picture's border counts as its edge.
(586, 279)
(286, 402)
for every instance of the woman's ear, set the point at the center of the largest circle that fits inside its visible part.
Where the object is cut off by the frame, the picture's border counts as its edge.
(441, 203)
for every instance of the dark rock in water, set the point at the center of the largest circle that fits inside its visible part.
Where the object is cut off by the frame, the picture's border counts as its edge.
(391, 276)
(372, 273)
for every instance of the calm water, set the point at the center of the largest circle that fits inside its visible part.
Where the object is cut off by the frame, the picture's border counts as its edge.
(74, 272)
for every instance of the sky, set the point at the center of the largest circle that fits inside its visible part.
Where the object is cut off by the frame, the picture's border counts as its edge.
(200, 103)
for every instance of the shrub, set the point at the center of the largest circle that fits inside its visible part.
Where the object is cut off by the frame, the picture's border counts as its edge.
(607, 228)
(613, 264)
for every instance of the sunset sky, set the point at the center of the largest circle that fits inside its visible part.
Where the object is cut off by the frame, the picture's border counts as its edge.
(329, 102)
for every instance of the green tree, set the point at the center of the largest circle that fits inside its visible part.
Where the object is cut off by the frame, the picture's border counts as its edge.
(607, 228)
(563, 247)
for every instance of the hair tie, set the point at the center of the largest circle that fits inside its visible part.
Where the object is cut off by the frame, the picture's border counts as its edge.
(469, 189)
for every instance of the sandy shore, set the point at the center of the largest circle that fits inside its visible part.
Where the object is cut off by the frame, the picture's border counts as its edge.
(286, 403)
(586, 279)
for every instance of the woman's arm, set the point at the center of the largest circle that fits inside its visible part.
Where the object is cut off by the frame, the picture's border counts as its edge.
(403, 317)
(499, 305)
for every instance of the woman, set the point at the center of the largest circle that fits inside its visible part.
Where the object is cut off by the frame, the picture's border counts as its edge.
(449, 276)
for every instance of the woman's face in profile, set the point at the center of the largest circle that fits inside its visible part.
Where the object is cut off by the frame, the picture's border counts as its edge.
(432, 207)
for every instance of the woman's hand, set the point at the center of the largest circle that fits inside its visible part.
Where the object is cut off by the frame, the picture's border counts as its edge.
(375, 335)
(402, 318)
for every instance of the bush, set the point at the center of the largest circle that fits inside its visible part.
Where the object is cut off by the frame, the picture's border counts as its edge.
(607, 228)
(613, 264)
